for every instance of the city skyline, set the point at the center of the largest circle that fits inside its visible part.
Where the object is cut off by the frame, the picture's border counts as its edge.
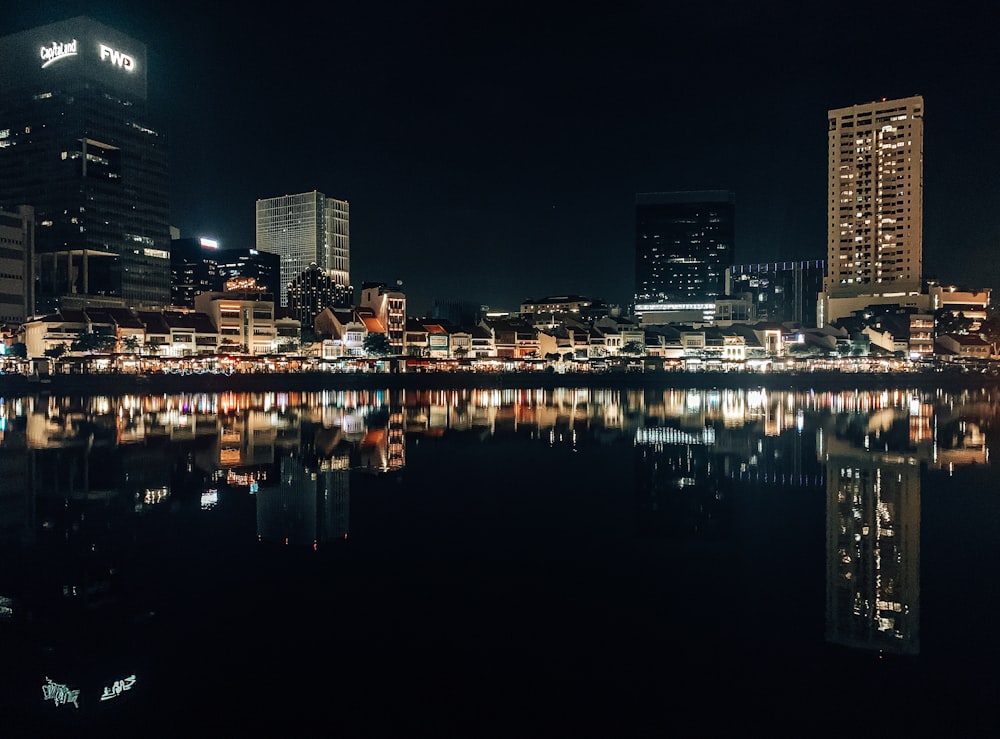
(494, 154)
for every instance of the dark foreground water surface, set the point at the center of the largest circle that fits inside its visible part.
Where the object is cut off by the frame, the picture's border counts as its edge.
(500, 563)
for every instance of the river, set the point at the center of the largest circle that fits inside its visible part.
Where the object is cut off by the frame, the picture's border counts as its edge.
(535, 561)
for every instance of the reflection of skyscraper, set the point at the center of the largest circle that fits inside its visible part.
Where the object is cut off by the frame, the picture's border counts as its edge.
(678, 486)
(873, 555)
(308, 506)
(16, 496)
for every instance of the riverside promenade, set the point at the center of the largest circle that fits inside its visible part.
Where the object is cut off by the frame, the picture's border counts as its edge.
(116, 384)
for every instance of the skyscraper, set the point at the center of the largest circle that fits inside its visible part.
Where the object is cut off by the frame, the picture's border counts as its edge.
(76, 145)
(304, 229)
(193, 265)
(875, 199)
(684, 242)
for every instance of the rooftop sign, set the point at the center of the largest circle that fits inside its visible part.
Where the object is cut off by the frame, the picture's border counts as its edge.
(56, 51)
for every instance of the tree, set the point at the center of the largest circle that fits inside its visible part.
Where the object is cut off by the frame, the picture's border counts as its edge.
(93, 343)
(131, 344)
(18, 349)
(55, 351)
(947, 321)
(152, 346)
(634, 348)
(377, 345)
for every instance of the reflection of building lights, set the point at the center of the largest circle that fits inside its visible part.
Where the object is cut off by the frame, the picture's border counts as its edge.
(152, 496)
(209, 499)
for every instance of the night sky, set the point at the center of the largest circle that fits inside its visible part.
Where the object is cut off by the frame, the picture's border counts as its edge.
(492, 151)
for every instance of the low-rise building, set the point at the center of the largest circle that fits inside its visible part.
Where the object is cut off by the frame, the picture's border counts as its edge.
(964, 346)
(243, 320)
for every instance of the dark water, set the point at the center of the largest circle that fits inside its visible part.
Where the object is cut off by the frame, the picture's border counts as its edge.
(500, 563)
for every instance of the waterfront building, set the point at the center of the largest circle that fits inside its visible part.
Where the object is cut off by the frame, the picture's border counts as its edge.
(180, 333)
(389, 307)
(684, 242)
(17, 248)
(77, 145)
(782, 292)
(245, 321)
(304, 229)
(514, 338)
(116, 329)
(874, 206)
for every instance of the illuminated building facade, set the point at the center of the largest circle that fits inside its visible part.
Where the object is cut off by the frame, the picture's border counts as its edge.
(389, 307)
(263, 267)
(875, 200)
(245, 320)
(17, 247)
(76, 145)
(780, 292)
(313, 291)
(305, 229)
(684, 242)
(192, 269)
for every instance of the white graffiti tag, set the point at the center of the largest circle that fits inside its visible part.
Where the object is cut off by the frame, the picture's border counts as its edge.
(117, 688)
(59, 693)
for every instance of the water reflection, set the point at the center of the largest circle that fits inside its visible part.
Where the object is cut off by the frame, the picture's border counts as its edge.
(90, 486)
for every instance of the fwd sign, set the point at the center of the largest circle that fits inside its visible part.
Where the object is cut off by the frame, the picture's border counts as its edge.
(116, 57)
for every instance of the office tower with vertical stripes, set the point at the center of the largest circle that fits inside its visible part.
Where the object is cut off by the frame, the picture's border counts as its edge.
(303, 230)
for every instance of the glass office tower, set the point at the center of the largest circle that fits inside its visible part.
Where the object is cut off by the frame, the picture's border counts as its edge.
(306, 229)
(684, 242)
(76, 145)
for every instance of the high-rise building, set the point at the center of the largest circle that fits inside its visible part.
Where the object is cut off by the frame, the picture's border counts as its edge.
(76, 145)
(305, 229)
(684, 242)
(17, 248)
(875, 199)
(192, 269)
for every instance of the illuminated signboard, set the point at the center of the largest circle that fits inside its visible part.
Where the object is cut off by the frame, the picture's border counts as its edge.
(59, 693)
(56, 51)
(117, 58)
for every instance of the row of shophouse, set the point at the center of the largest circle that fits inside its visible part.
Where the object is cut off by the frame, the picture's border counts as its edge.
(248, 324)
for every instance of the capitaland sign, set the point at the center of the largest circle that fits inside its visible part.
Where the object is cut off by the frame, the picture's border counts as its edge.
(115, 57)
(107, 54)
(57, 50)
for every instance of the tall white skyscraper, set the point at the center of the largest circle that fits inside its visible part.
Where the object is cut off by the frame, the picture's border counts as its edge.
(304, 229)
(875, 204)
